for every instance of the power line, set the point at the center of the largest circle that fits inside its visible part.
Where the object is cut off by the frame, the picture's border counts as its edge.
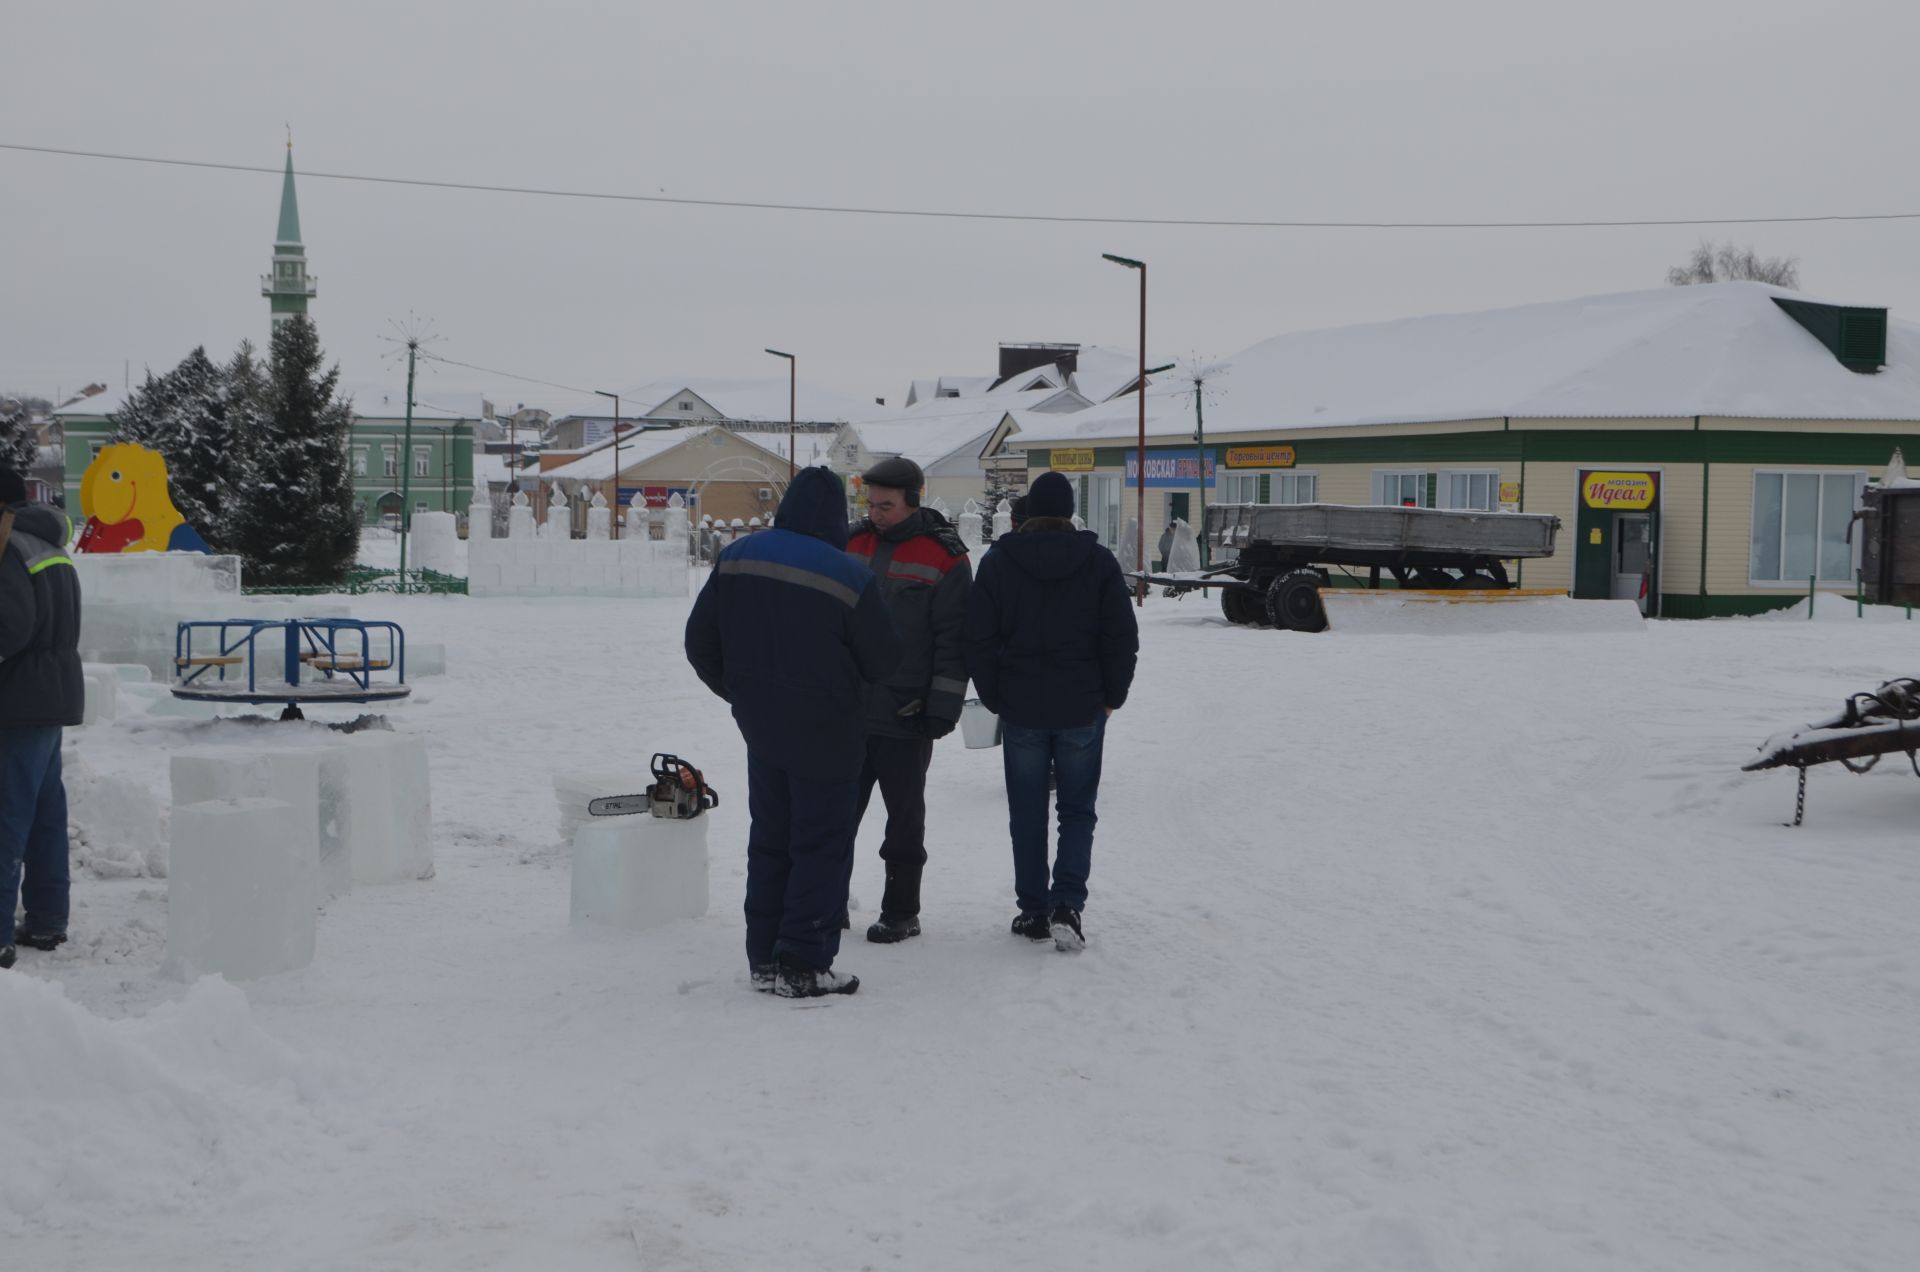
(453, 362)
(761, 205)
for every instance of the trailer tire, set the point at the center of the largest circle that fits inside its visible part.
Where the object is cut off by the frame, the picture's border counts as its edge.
(1241, 607)
(1293, 602)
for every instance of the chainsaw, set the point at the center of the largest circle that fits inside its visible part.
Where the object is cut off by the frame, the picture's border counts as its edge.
(678, 792)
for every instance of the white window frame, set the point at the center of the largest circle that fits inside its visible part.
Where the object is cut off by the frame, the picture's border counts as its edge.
(1443, 495)
(1381, 476)
(359, 461)
(419, 506)
(423, 461)
(1280, 475)
(390, 458)
(1820, 475)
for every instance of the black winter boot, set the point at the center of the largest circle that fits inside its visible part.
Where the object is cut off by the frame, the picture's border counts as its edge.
(1067, 936)
(764, 974)
(42, 940)
(797, 980)
(1031, 924)
(893, 928)
(6, 957)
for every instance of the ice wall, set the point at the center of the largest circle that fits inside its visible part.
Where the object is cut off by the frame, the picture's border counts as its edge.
(632, 566)
(132, 602)
(435, 543)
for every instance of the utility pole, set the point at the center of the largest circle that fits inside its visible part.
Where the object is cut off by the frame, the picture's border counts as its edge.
(1200, 435)
(792, 382)
(406, 466)
(1140, 482)
(616, 457)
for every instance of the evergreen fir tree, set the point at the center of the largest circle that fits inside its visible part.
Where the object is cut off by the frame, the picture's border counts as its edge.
(19, 446)
(142, 418)
(297, 523)
(186, 415)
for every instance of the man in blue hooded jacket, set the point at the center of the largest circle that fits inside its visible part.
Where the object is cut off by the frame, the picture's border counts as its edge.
(791, 631)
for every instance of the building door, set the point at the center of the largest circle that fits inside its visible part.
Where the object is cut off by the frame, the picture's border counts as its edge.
(1633, 557)
(1616, 551)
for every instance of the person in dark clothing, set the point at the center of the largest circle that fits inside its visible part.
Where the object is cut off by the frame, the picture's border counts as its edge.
(792, 632)
(925, 575)
(1051, 645)
(41, 692)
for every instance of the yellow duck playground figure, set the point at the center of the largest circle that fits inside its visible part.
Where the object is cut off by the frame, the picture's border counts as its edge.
(123, 496)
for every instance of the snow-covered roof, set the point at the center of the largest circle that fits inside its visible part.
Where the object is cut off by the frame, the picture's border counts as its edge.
(1721, 349)
(1101, 371)
(758, 398)
(635, 448)
(99, 404)
(383, 402)
(932, 431)
(809, 449)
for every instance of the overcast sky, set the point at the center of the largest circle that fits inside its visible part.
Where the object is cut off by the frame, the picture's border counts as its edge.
(1470, 110)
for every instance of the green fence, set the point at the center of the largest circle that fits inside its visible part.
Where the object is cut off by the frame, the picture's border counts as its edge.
(363, 581)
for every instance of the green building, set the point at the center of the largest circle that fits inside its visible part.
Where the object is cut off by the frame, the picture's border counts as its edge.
(436, 468)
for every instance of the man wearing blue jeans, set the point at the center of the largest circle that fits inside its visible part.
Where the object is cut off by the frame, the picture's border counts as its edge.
(41, 691)
(1051, 647)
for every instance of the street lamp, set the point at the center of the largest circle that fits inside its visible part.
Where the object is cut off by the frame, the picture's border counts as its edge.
(616, 457)
(792, 363)
(1140, 483)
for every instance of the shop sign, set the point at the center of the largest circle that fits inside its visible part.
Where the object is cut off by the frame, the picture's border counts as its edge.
(1618, 490)
(1072, 461)
(1259, 457)
(653, 496)
(1509, 492)
(1170, 468)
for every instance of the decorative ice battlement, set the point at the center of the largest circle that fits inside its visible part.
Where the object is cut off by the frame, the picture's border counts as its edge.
(554, 564)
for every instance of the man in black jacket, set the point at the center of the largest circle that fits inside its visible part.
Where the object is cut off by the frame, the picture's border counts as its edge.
(792, 632)
(924, 573)
(1051, 645)
(41, 691)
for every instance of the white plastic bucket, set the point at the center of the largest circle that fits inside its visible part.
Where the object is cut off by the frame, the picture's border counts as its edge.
(979, 727)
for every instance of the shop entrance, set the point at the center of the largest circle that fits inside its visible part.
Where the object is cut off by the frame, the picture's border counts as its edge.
(1617, 538)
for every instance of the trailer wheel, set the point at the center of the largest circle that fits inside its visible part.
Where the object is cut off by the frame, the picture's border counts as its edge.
(1233, 603)
(1480, 582)
(1293, 601)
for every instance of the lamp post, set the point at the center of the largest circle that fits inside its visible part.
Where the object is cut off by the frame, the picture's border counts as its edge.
(1140, 481)
(616, 457)
(792, 363)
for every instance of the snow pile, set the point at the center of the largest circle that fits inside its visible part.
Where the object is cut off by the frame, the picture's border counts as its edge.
(155, 1114)
(1835, 607)
(1358, 611)
(115, 825)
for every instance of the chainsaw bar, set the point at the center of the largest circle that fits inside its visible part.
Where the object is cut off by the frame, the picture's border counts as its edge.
(619, 805)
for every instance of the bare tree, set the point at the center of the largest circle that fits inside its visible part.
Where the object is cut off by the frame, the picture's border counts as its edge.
(1730, 264)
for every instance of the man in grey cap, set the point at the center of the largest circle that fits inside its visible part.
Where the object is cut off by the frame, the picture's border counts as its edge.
(925, 575)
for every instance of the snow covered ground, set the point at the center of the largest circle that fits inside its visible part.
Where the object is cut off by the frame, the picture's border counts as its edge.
(1407, 952)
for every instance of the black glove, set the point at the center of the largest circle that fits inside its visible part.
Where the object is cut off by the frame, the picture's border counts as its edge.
(936, 727)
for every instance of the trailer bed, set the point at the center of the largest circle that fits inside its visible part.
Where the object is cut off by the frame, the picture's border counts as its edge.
(1335, 530)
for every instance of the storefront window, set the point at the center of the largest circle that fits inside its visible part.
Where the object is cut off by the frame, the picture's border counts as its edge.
(1400, 489)
(1474, 489)
(1800, 526)
(1294, 488)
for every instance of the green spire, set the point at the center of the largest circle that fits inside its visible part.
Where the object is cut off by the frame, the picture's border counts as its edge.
(289, 206)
